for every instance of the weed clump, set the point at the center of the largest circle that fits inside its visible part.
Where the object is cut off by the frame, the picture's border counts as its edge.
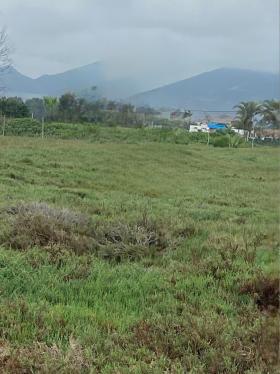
(133, 240)
(40, 225)
(266, 293)
(195, 340)
(39, 357)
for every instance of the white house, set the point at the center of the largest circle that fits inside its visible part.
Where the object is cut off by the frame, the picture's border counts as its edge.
(240, 132)
(199, 127)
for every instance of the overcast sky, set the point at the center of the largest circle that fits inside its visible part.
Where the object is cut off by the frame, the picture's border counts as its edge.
(163, 40)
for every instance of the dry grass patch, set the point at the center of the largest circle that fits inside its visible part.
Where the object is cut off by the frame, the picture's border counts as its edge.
(40, 358)
(43, 226)
(38, 224)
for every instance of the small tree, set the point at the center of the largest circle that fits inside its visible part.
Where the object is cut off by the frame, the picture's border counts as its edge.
(68, 107)
(36, 107)
(13, 107)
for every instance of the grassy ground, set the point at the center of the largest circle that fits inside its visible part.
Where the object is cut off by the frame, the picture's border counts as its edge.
(186, 283)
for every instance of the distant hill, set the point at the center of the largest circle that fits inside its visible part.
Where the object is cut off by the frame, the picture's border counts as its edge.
(79, 80)
(219, 89)
(72, 80)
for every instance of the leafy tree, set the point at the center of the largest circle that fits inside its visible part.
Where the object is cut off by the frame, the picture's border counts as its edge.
(68, 107)
(36, 107)
(187, 114)
(126, 110)
(246, 113)
(13, 107)
(111, 105)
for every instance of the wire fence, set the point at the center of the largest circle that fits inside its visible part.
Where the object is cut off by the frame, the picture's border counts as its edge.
(103, 133)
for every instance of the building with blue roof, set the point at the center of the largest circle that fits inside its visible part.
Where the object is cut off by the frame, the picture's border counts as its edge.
(217, 126)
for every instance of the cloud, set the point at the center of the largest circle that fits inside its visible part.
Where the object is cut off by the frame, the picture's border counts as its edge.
(156, 40)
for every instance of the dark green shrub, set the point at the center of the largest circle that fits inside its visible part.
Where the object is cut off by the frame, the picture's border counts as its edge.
(221, 141)
(23, 127)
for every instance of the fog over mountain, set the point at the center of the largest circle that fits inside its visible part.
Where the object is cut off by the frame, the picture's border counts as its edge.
(219, 89)
(154, 42)
(144, 45)
(76, 80)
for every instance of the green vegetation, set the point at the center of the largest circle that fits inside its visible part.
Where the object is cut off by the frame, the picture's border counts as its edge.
(99, 133)
(70, 108)
(147, 257)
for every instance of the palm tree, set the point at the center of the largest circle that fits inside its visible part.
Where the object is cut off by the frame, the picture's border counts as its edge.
(270, 111)
(246, 112)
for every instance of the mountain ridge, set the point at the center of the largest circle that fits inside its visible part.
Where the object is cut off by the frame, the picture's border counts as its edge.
(223, 87)
(216, 89)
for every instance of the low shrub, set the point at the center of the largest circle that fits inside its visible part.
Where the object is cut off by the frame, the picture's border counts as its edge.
(222, 141)
(122, 240)
(226, 140)
(40, 225)
(23, 127)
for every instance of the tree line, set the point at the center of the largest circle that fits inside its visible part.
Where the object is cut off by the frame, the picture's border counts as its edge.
(70, 108)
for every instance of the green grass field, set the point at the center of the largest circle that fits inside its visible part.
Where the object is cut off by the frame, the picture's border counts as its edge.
(166, 260)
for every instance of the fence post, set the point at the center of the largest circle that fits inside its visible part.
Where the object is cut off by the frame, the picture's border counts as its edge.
(4, 125)
(43, 127)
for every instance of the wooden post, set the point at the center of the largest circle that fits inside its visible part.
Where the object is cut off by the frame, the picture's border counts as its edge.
(43, 128)
(4, 124)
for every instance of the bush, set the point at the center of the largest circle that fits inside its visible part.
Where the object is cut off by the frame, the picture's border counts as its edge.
(122, 240)
(23, 127)
(38, 224)
(221, 141)
(236, 141)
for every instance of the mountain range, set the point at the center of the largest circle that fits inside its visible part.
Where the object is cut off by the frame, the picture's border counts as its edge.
(218, 89)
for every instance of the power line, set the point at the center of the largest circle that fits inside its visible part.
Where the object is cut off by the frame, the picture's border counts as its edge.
(212, 111)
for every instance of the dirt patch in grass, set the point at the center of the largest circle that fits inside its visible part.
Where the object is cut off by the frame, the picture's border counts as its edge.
(266, 293)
